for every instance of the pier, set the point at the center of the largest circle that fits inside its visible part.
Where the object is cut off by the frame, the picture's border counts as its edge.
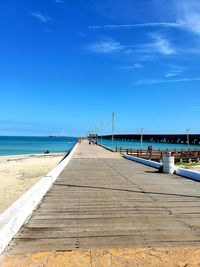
(194, 139)
(102, 201)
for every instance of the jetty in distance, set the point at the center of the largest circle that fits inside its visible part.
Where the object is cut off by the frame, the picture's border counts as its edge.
(157, 138)
(104, 209)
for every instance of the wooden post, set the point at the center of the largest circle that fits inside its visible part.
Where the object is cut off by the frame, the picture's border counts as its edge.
(181, 158)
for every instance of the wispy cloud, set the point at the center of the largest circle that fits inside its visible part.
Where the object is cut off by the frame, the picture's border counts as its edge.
(94, 27)
(183, 14)
(138, 25)
(160, 81)
(48, 30)
(172, 74)
(82, 34)
(41, 17)
(163, 45)
(174, 71)
(159, 45)
(188, 14)
(105, 47)
(134, 66)
(59, 1)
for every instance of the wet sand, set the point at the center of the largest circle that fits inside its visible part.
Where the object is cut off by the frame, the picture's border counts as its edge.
(19, 173)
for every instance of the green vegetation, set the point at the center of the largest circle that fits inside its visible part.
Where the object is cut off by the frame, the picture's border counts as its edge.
(188, 165)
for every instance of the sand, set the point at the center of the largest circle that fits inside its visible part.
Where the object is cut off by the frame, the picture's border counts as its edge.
(20, 173)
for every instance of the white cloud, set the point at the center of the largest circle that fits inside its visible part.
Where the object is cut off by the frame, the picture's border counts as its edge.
(135, 66)
(188, 14)
(105, 47)
(174, 71)
(48, 30)
(94, 27)
(41, 17)
(159, 81)
(59, 1)
(138, 25)
(82, 34)
(162, 45)
(183, 14)
(171, 74)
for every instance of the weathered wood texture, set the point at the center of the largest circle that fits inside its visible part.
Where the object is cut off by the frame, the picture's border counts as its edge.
(101, 200)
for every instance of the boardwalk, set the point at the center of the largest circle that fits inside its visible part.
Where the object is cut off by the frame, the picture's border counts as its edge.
(104, 201)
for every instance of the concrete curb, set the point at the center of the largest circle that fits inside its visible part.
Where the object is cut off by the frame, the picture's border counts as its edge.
(144, 161)
(107, 148)
(14, 217)
(193, 175)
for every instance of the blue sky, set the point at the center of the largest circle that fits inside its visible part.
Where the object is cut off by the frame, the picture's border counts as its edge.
(66, 65)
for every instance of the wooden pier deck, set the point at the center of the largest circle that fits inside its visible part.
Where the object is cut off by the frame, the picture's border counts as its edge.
(103, 201)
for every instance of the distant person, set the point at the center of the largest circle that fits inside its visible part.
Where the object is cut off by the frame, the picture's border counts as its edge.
(46, 152)
(149, 150)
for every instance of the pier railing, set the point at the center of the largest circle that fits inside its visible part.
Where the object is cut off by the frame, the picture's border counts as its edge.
(157, 155)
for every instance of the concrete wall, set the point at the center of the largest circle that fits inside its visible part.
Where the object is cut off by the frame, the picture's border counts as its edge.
(14, 217)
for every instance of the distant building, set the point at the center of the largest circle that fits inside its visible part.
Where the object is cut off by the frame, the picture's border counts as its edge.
(93, 135)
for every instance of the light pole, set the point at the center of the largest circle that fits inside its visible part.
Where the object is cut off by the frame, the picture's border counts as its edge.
(113, 127)
(188, 138)
(101, 125)
(141, 140)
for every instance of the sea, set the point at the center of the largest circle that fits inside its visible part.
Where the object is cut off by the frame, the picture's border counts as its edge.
(155, 146)
(20, 145)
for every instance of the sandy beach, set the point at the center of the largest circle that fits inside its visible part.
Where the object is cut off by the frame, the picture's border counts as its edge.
(20, 173)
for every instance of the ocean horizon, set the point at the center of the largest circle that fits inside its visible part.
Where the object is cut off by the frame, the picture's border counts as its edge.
(24, 145)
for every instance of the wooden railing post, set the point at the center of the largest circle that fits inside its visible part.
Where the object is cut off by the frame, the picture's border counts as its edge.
(181, 158)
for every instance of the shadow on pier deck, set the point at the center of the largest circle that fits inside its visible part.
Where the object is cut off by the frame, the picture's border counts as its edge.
(104, 210)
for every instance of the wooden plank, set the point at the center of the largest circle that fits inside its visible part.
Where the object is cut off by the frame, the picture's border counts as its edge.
(101, 200)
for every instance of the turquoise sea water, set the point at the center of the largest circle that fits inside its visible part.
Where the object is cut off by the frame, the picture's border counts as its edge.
(19, 145)
(11, 145)
(156, 146)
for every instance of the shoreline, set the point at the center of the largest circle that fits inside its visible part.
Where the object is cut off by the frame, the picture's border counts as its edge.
(18, 173)
(34, 155)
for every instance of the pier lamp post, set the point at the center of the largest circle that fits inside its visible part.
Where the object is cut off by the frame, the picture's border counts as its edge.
(141, 139)
(101, 125)
(113, 128)
(188, 138)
